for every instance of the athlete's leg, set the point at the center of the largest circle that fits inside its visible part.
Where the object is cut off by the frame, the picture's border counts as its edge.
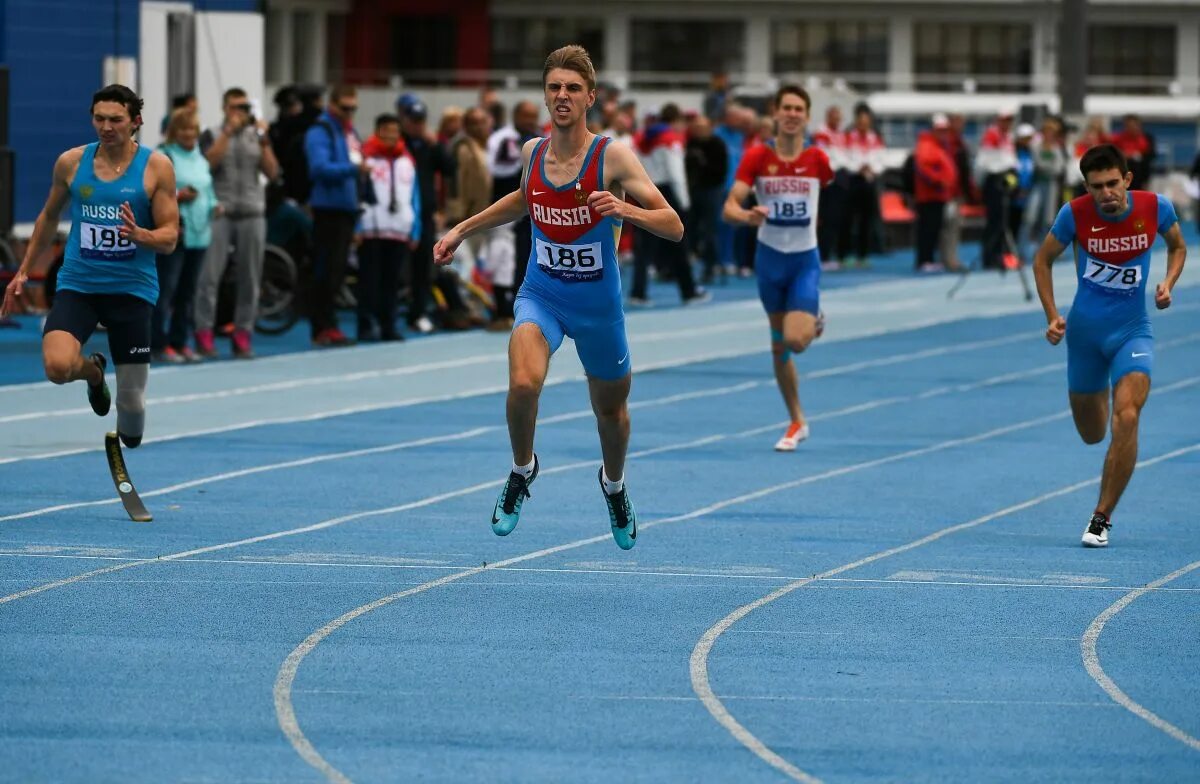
(1129, 396)
(1090, 410)
(128, 319)
(131, 402)
(528, 363)
(610, 403)
(71, 321)
(786, 377)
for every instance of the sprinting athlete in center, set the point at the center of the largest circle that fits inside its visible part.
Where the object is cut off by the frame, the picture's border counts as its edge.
(573, 189)
(787, 179)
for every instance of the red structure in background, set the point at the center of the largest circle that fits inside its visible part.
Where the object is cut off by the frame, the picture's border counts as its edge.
(371, 37)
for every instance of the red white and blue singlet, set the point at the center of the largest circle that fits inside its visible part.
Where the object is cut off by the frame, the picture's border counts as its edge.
(573, 284)
(787, 262)
(1108, 327)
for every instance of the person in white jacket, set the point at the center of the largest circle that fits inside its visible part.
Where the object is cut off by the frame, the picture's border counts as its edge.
(388, 230)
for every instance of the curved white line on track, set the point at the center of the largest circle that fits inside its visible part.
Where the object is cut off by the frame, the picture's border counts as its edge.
(287, 673)
(1091, 659)
(698, 664)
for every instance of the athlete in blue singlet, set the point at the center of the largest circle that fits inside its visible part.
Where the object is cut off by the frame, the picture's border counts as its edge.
(116, 188)
(573, 189)
(1109, 340)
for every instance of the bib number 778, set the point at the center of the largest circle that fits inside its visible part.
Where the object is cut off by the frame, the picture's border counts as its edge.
(1113, 277)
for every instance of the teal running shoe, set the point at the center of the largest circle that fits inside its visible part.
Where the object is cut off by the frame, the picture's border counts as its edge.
(620, 515)
(508, 505)
(98, 396)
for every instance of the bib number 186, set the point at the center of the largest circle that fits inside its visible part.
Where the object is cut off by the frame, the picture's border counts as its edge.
(570, 262)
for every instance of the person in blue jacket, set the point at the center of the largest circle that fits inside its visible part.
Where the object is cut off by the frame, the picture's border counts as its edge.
(336, 167)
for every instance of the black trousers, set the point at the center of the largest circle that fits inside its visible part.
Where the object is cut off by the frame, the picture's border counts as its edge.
(666, 255)
(831, 211)
(929, 227)
(702, 226)
(379, 265)
(995, 198)
(420, 273)
(333, 231)
(858, 224)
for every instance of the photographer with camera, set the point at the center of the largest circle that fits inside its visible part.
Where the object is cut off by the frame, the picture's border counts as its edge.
(237, 151)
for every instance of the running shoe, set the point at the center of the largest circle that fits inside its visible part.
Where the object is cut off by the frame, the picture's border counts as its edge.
(621, 516)
(205, 345)
(98, 394)
(508, 505)
(1096, 534)
(796, 433)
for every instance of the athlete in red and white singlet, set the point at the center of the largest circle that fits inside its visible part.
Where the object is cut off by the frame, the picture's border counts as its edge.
(573, 188)
(787, 181)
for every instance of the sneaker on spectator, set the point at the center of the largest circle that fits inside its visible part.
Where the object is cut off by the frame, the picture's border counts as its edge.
(241, 345)
(745, 272)
(225, 330)
(170, 355)
(423, 325)
(189, 355)
(204, 344)
(699, 298)
(930, 266)
(640, 302)
(331, 336)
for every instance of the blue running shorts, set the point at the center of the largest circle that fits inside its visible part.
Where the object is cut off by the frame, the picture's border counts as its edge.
(788, 281)
(600, 342)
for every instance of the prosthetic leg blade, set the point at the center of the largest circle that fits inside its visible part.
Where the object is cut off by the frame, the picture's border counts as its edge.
(120, 476)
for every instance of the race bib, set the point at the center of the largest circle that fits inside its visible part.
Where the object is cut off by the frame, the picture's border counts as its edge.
(786, 212)
(102, 241)
(1112, 277)
(570, 262)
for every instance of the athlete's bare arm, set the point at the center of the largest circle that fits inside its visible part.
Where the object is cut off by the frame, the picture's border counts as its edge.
(505, 210)
(163, 207)
(1051, 249)
(46, 227)
(735, 213)
(623, 170)
(1176, 253)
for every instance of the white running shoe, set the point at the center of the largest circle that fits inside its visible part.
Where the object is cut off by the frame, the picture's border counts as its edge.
(1096, 534)
(792, 438)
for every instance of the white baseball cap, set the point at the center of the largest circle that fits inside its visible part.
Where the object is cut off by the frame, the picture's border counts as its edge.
(1025, 131)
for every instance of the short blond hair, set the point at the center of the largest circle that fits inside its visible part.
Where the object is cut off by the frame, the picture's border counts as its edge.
(572, 58)
(181, 118)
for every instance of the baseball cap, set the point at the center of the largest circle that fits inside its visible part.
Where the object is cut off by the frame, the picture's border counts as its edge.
(1025, 131)
(412, 107)
(941, 121)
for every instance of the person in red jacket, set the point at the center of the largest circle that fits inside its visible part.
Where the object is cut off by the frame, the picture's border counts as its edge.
(1138, 148)
(936, 181)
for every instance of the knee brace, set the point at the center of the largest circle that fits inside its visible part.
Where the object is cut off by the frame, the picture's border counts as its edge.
(783, 352)
(131, 402)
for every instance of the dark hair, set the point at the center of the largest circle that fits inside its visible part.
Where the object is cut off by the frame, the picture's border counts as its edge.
(793, 89)
(119, 93)
(386, 119)
(180, 101)
(669, 113)
(1101, 158)
(232, 92)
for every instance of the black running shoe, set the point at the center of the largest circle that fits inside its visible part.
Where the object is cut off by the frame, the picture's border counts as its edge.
(98, 394)
(508, 505)
(1096, 534)
(621, 515)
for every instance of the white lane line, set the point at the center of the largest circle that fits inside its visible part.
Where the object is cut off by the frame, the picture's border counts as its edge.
(858, 700)
(383, 449)
(838, 370)
(481, 391)
(287, 672)
(698, 665)
(1091, 659)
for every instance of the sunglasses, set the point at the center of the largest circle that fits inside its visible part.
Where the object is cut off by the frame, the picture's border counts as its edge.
(241, 107)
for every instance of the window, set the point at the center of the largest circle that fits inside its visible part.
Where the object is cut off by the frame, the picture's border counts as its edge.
(831, 48)
(1130, 58)
(422, 45)
(522, 44)
(996, 56)
(687, 46)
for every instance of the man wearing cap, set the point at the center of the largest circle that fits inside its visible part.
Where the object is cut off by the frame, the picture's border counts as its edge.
(431, 159)
(996, 160)
(935, 179)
